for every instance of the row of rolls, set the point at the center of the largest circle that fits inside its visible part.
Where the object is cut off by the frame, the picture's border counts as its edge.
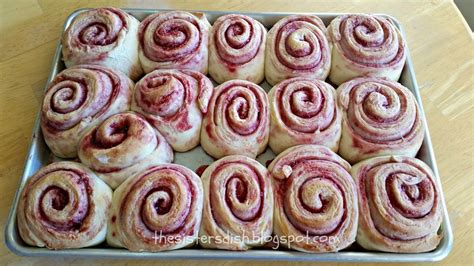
(111, 123)
(237, 46)
(308, 199)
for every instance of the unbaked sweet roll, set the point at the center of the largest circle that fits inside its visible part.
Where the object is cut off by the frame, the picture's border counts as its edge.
(365, 45)
(237, 121)
(297, 46)
(380, 117)
(304, 111)
(158, 209)
(121, 146)
(64, 205)
(174, 40)
(315, 199)
(103, 36)
(238, 204)
(237, 49)
(78, 99)
(174, 102)
(400, 206)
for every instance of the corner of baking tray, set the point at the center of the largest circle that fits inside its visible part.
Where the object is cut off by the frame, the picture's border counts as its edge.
(9, 240)
(72, 16)
(12, 245)
(445, 247)
(392, 19)
(10, 228)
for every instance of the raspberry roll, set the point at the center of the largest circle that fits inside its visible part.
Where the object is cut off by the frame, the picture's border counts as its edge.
(315, 199)
(121, 146)
(400, 206)
(365, 45)
(380, 117)
(237, 122)
(78, 99)
(64, 205)
(106, 37)
(174, 102)
(304, 111)
(238, 204)
(174, 40)
(237, 49)
(158, 209)
(297, 46)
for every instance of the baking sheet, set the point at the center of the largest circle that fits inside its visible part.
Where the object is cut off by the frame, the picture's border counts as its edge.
(39, 155)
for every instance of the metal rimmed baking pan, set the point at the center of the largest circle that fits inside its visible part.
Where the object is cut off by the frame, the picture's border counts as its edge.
(39, 155)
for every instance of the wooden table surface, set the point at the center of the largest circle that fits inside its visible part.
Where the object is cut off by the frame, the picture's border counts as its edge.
(441, 45)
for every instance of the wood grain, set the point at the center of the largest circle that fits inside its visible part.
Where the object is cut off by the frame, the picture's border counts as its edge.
(441, 46)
